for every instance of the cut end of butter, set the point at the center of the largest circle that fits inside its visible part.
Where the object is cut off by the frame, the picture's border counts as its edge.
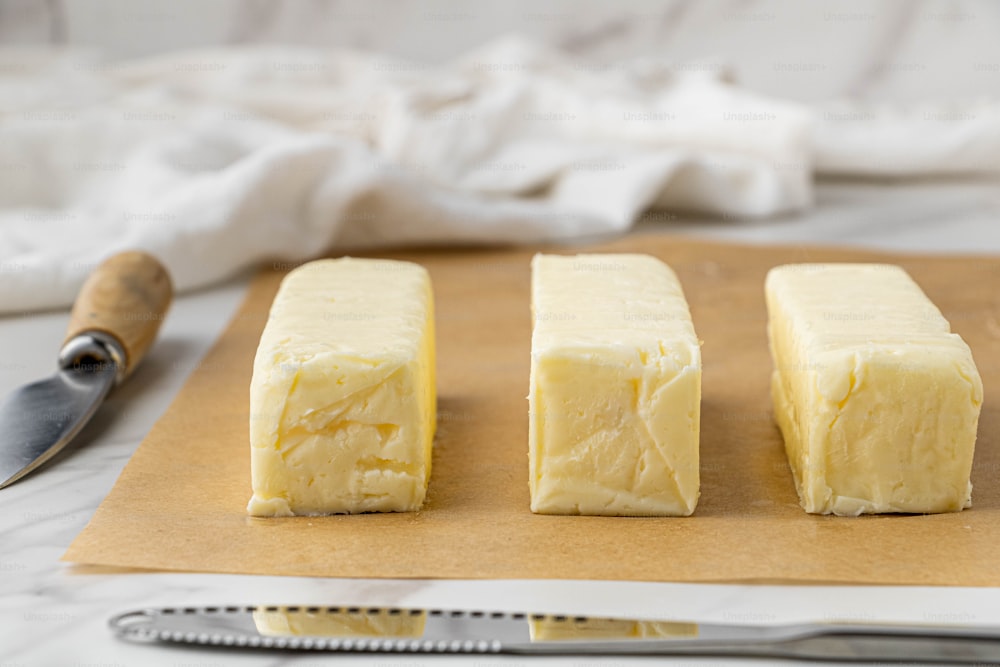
(342, 400)
(615, 388)
(877, 400)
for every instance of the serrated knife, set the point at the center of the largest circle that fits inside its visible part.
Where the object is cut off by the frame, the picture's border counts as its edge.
(394, 630)
(114, 320)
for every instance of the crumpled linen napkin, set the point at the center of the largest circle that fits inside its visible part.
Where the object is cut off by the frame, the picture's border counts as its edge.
(218, 160)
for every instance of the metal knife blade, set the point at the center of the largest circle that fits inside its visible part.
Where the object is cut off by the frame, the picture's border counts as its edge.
(355, 629)
(114, 320)
(33, 435)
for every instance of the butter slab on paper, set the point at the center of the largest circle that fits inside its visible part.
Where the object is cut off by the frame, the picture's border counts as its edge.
(342, 400)
(615, 388)
(180, 503)
(877, 400)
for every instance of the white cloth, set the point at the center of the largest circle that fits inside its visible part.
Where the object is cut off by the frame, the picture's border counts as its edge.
(218, 160)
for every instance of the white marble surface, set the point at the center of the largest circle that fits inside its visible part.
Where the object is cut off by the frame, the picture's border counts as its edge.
(50, 615)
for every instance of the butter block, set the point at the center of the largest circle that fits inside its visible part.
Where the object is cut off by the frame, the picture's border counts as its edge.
(615, 388)
(877, 400)
(342, 400)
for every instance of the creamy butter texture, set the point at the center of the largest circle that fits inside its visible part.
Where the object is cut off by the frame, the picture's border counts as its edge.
(615, 388)
(877, 400)
(342, 400)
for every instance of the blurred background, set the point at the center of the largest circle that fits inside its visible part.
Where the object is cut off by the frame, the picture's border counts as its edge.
(893, 50)
(219, 134)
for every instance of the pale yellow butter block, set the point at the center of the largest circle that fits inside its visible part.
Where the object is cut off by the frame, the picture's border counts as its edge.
(342, 400)
(877, 400)
(615, 388)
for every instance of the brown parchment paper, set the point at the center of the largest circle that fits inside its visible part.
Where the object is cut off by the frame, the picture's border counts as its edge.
(180, 502)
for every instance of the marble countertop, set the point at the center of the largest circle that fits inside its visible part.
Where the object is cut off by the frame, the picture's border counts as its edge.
(51, 614)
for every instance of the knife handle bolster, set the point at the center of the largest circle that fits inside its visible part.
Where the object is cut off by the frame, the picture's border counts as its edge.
(125, 298)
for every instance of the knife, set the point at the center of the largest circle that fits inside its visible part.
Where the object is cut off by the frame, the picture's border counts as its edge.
(114, 321)
(384, 630)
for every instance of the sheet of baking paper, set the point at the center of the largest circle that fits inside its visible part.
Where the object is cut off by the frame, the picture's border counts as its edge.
(180, 502)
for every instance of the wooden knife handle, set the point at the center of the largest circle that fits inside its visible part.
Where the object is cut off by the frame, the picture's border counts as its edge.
(126, 297)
